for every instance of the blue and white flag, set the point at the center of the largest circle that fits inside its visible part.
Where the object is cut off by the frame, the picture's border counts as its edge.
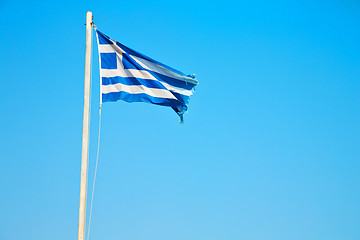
(133, 77)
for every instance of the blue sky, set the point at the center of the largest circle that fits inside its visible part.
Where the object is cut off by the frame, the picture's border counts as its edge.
(270, 144)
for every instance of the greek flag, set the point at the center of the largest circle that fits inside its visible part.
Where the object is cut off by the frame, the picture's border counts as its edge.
(133, 77)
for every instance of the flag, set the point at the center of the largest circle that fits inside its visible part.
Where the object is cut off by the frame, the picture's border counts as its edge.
(133, 77)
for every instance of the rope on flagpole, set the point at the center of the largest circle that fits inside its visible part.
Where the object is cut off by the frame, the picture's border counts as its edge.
(96, 165)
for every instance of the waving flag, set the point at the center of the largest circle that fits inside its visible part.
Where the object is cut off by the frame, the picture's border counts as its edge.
(133, 77)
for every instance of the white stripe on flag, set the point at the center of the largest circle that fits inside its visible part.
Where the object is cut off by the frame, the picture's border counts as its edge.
(106, 48)
(137, 89)
(142, 75)
(126, 73)
(160, 69)
(177, 90)
(156, 68)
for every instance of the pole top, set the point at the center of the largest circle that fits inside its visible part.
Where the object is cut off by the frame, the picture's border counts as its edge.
(89, 15)
(89, 18)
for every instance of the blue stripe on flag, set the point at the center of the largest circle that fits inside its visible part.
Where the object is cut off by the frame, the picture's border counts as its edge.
(130, 63)
(142, 97)
(173, 81)
(182, 98)
(103, 39)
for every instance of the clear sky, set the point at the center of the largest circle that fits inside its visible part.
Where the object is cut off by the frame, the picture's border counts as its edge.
(270, 144)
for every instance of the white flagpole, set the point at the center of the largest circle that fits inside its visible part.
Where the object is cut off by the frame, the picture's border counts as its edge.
(85, 134)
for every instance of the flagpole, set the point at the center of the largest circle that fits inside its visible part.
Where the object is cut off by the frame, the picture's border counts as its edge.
(85, 134)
